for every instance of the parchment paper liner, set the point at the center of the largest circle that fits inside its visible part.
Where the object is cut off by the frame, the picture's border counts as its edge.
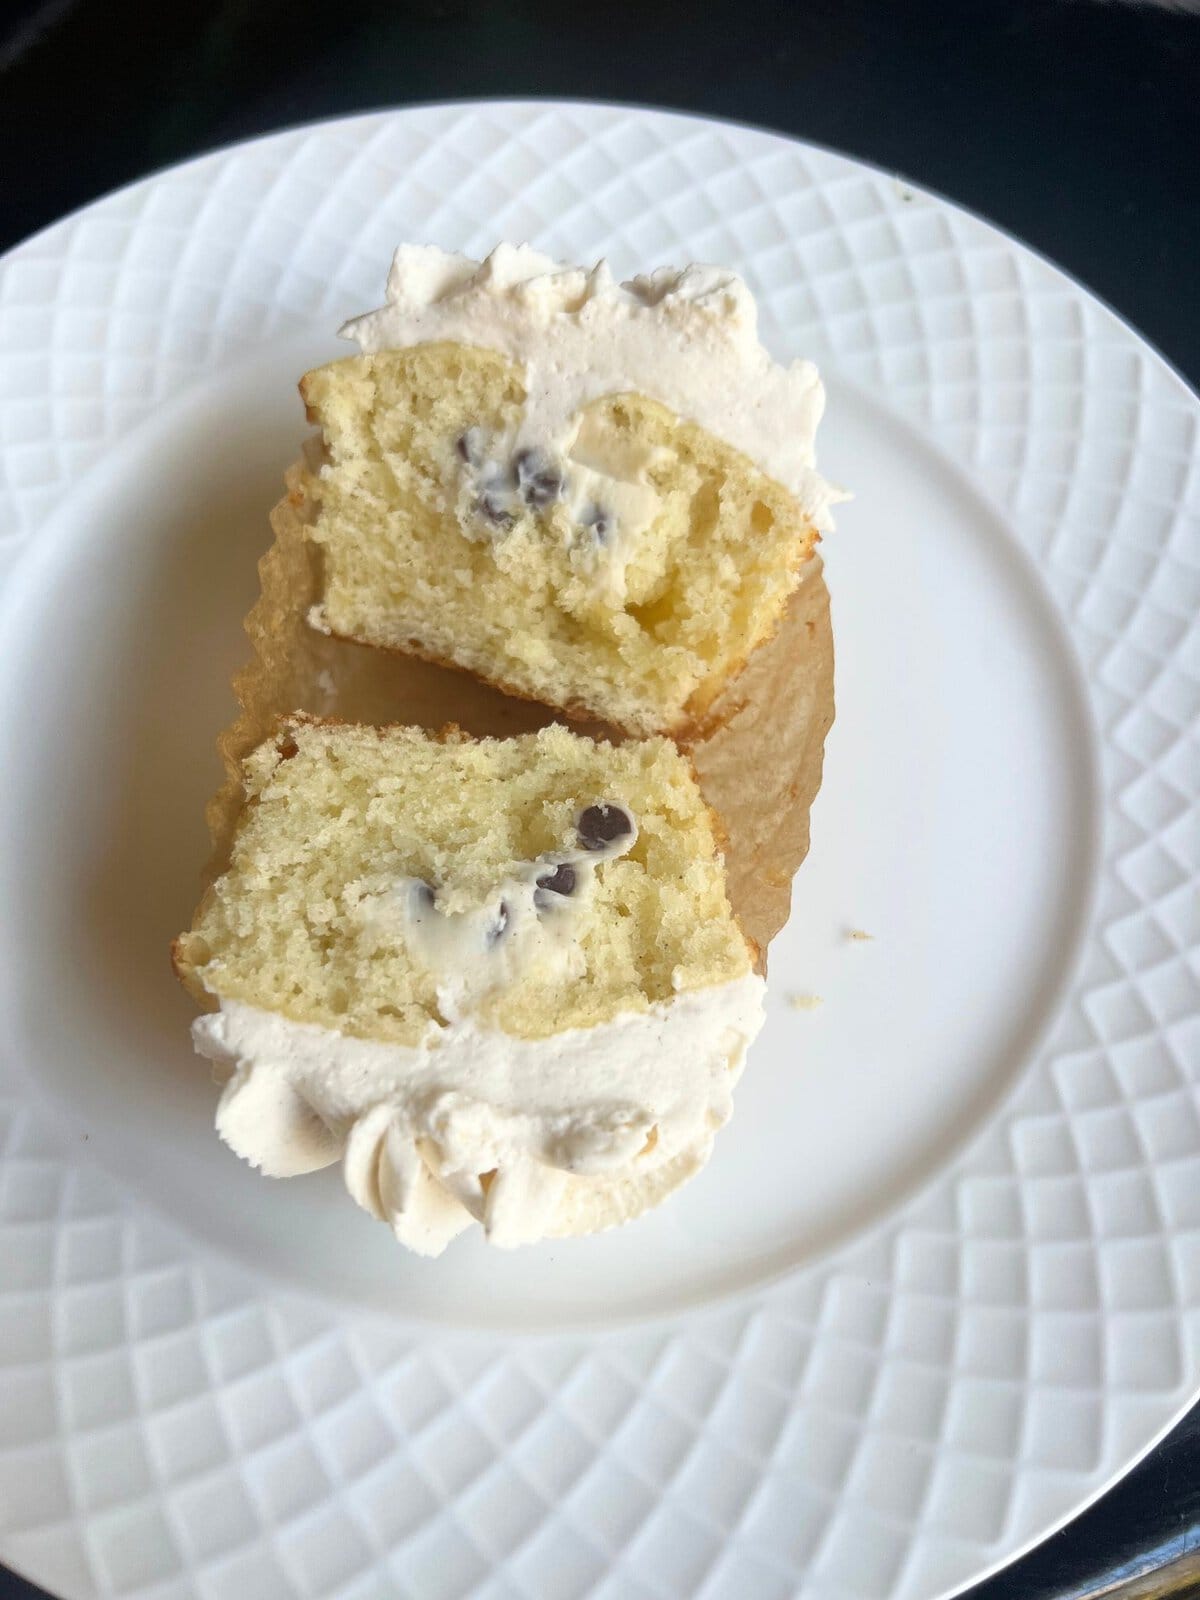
(759, 770)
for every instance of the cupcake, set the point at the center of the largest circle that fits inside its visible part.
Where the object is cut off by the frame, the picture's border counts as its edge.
(598, 496)
(499, 979)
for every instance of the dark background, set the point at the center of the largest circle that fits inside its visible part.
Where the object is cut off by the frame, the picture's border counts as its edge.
(1075, 124)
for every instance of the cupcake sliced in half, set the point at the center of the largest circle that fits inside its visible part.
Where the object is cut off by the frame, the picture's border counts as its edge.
(592, 494)
(499, 978)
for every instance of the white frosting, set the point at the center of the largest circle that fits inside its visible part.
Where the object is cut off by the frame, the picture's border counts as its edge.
(687, 338)
(569, 1126)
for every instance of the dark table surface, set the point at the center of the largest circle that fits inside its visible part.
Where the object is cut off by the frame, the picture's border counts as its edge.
(1075, 124)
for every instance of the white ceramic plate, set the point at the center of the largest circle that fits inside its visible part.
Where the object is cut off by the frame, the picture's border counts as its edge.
(942, 1281)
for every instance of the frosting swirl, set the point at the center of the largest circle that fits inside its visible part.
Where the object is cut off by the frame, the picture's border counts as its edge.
(530, 1138)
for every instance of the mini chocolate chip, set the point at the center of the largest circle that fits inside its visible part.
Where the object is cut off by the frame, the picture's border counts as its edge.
(493, 510)
(542, 491)
(560, 881)
(501, 922)
(598, 522)
(540, 483)
(602, 825)
(287, 748)
(469, 446)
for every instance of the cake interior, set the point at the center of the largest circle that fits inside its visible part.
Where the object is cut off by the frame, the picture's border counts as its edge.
(339, 819)
(628, 583)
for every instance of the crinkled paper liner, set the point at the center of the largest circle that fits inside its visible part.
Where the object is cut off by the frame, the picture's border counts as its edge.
(759, 769)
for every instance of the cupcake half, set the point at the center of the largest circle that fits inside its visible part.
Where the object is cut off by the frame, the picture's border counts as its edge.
(499, 979)
(596, 495)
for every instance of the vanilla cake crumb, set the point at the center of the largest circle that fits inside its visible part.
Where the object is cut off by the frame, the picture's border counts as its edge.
(343, 820)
